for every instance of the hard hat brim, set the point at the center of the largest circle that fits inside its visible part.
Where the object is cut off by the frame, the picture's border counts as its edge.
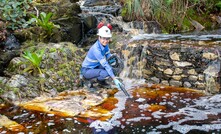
(107, 36)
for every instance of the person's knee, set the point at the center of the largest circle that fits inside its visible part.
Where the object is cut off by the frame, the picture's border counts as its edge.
(103, 75)
(90, 74)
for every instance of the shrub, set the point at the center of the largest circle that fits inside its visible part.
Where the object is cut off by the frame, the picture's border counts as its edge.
(14, 13)
(172, 15)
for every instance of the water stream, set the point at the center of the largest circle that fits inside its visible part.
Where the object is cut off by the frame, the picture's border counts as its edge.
(152, 109)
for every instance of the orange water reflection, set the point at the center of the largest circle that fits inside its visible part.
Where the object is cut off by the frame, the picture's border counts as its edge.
(152, 108)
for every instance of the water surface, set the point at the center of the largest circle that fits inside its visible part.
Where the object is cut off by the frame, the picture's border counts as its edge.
(151, 109)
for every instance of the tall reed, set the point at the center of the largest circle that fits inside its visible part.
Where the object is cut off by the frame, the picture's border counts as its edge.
(173, 15)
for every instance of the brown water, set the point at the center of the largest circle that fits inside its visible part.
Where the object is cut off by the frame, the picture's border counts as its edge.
(151, 109)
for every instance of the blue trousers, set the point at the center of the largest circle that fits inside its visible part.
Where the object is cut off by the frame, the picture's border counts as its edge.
(99, 72)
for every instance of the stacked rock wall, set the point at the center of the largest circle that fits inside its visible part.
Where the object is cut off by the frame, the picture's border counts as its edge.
(192, 64)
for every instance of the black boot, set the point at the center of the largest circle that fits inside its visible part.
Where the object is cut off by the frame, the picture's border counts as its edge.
(104, 84)
(89, 84)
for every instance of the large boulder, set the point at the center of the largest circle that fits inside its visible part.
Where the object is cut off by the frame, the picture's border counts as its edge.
(60, 67)
(8, 50)
(65, 14)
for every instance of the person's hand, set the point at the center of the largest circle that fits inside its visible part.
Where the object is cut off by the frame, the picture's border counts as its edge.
(117, 83)
(121, 86)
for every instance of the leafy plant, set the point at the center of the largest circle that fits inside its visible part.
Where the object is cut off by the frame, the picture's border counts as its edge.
(218, 4)
(35, 59)
(14, 13)
(1, 90)
(44, 21)
(134, 9)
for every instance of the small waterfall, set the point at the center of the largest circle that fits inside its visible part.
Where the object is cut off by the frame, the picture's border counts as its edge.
(212, 76)
(132, 75)
(83, 34)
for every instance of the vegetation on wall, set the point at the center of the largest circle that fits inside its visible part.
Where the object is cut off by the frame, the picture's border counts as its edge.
(173, 15)
(134, 9)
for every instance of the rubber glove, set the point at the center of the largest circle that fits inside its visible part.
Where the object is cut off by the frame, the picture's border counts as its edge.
(117, 83)
(112, 61)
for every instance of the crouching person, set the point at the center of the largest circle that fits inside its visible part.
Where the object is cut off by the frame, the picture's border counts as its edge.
(95, 67)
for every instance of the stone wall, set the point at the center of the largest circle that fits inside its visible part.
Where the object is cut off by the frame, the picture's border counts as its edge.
(191, 64)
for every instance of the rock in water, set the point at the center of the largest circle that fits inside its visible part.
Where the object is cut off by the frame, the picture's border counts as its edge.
(68, 103)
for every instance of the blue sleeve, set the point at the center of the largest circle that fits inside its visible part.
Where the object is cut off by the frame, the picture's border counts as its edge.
(108, 54)
(102, 60)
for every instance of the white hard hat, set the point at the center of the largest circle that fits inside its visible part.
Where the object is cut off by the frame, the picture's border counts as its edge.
(104, 31)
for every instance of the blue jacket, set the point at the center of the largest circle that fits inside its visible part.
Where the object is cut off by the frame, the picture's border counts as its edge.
(98, 55)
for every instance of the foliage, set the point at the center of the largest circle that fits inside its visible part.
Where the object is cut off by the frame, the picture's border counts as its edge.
(218, 4)
(134, 9)
(1, 90)
(14, 13)
(44, 21)
(34, 59)
(171, 14)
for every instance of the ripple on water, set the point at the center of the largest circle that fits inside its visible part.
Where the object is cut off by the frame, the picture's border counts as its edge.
(151, 109)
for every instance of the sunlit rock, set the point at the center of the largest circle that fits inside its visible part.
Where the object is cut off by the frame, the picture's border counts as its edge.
(193, 78)
(200, 85)
(164, 82)
(162, 63)
(69, 103)
(175, 56)
(210, 56)
(155, 80)
(126, 53)
(148, 72)
(96, 113)
(212, 70)
(168, 71)
(175, 83)
(177, 77)
(192, 71)
(186, 84)
(178, 71)
(201, 77)
(182, 64)
(17, 81)
(9, 124)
